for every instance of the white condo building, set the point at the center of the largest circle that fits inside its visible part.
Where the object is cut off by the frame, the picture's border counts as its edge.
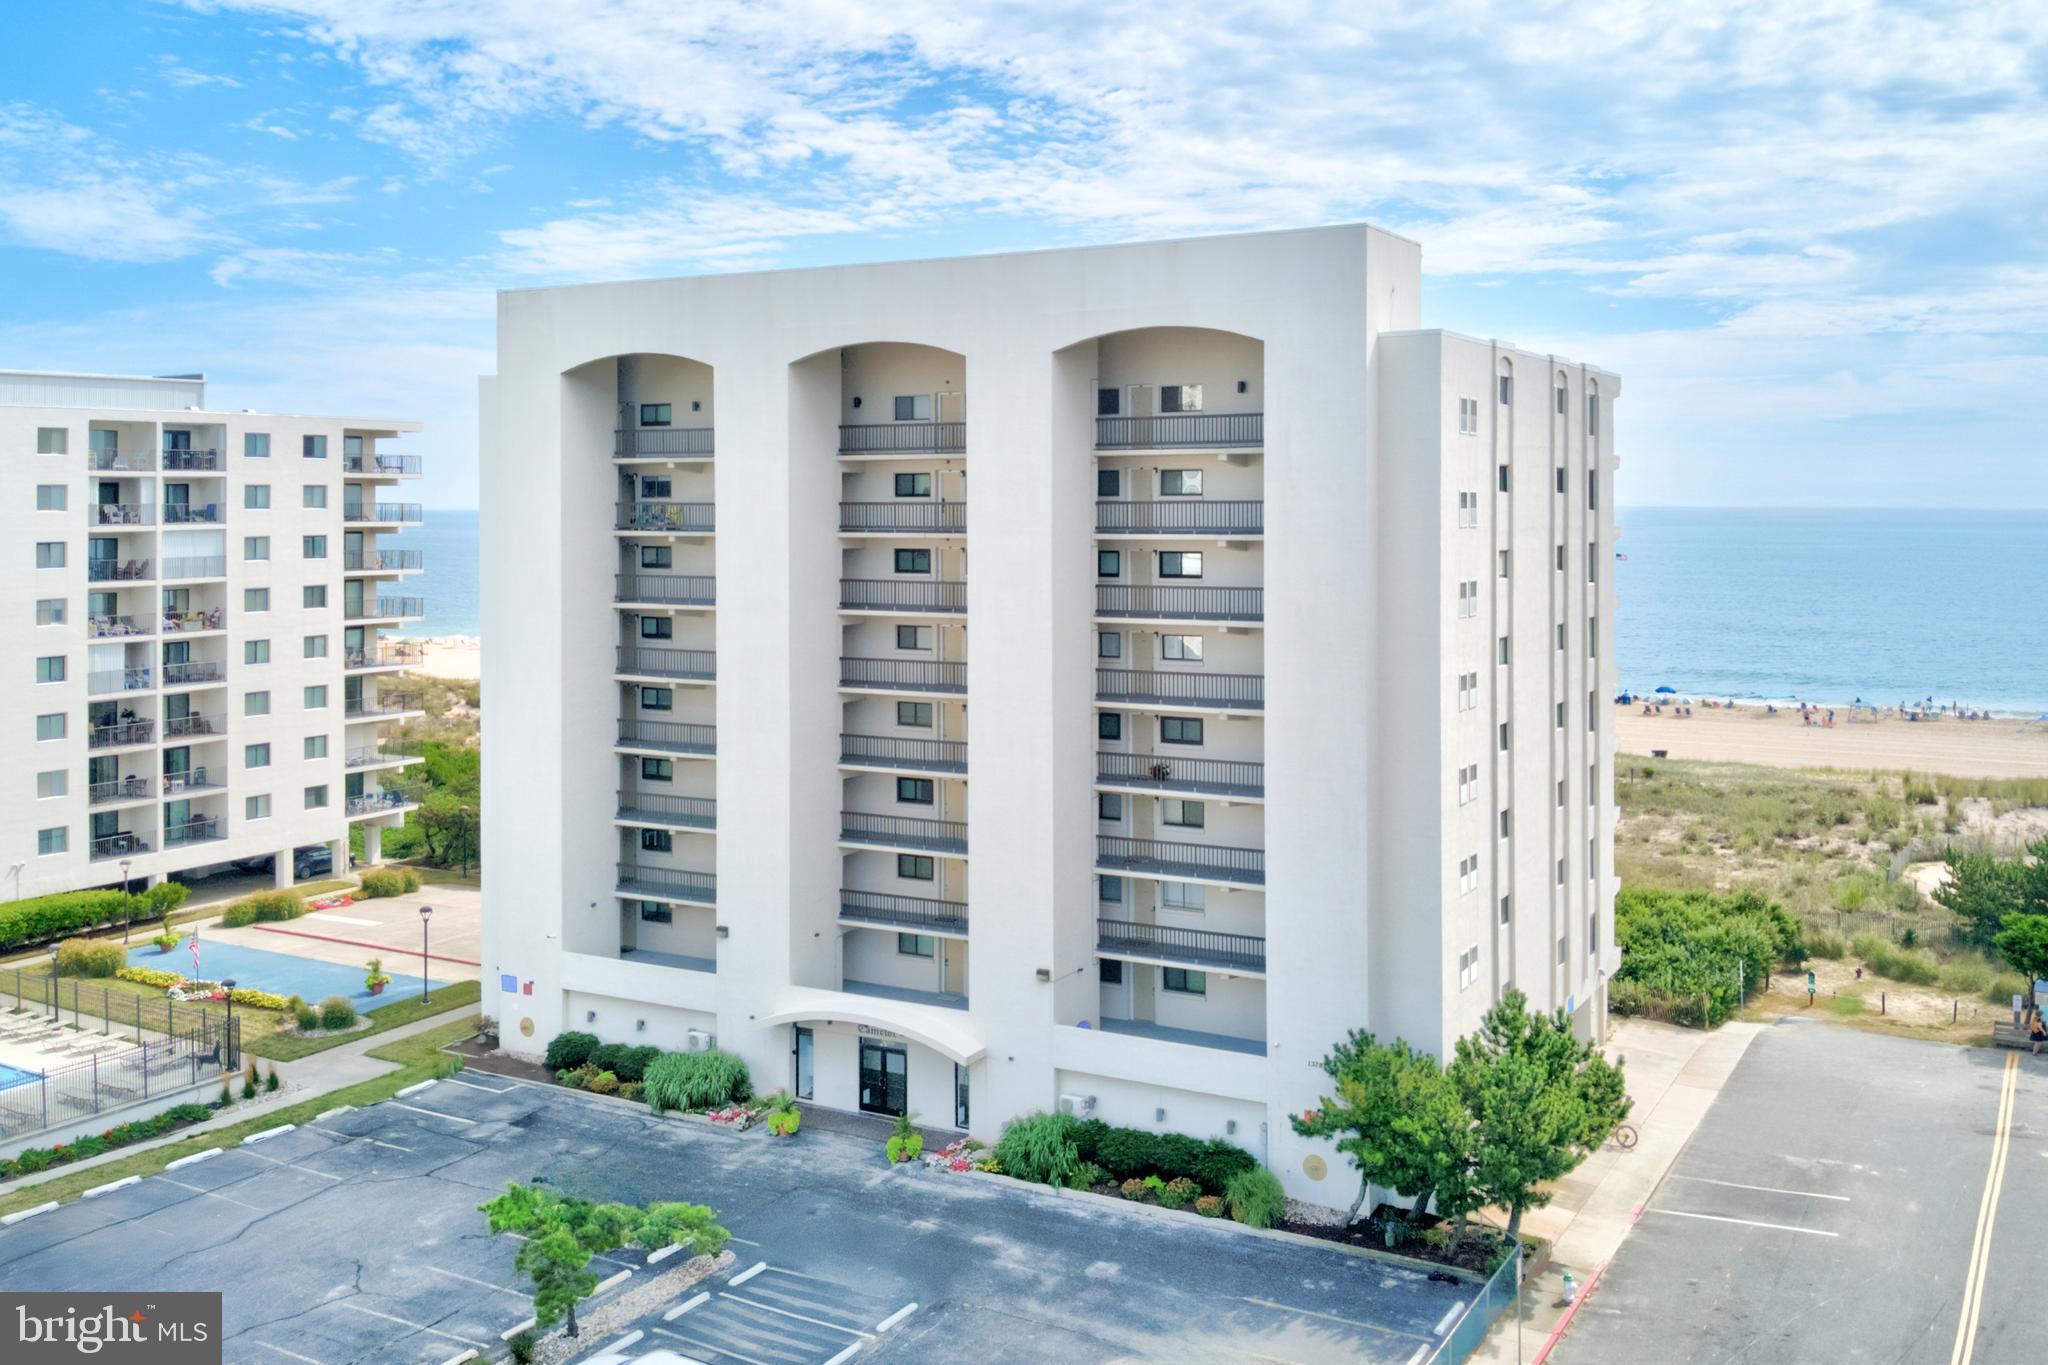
(198, 598)
(1282, 626)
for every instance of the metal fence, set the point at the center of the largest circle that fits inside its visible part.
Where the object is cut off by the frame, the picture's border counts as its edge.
(77, 1000)
(1497, 1297)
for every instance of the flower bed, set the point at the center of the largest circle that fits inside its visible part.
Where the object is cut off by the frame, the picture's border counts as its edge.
(179, 987)
(32, 1159)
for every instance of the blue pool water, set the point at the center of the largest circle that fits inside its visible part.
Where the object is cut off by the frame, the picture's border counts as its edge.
(283, 974)
(11, 1076)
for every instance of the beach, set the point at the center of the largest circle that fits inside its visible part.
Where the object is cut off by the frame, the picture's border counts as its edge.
(2004, 747)
(455, 657)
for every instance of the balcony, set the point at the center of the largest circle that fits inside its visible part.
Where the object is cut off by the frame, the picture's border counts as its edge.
(193, 514)
(382, 561)
(892, 753)
(118, 571)
(122, 845)
(1179, 602)
(377, 803)
(904, 675)
(902, 595)
(674, 518)
(688, 665)
(121, 461)
(192, 622)
(676, 443)
(194, 780)
(908, 995)
(385, 654)
(385, 609)
(121, 734)
(903, 831)
(668, 884)
(135, 514)
(903, 438)
(1193, 862)
(114, 627)
(200, 829)
(1182, 1037)
(195, 674)
(375, 755)
(384, 704)
(130, 788)
(1181, 430)
(382, 513)
(668, 736)
(380, 466)
(668, 812)
(193, 461)
(916, 913)
(904, 516)
(109, 681)
(195, 726)
(666, 589)
(1205, 948)
(195, 566)
(1170, 773)
(1206, 691)
(1181, 517)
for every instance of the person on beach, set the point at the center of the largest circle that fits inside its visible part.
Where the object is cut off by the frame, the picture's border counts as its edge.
(2037, 1032)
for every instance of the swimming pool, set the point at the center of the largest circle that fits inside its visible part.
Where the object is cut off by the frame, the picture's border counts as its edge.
(284, 974)
(11, 1076)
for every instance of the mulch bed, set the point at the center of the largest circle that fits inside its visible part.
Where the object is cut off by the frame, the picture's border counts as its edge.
(482, 1056)
(1474, 1253)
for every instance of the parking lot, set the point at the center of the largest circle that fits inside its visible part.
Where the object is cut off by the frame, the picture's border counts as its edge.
(1829, 1209)
(356, 1238)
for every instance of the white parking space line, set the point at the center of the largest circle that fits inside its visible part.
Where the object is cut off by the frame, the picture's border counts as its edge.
(899, 1315)
(483, 1283)
(798, 1317)
(433, 1113)
(1765, 1189)
(707, 1346)
(329, 917)
(672, 1314)
(416, 1326)
(212, 1194)
(294, 1166)
(294, 1355)
(376, 1142)
(1330, 1317)
(1745, 1222)
(472, 1085)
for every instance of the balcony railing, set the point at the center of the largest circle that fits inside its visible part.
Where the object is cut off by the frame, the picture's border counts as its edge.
(120, 514)
(385, 608)
(385, 654)
(186, 622)
(383, 513)
(689, 442)
(121, 733)
(130, 788)
(699, 665)
(904, 675)
(391, 466)
(381, 561)
(668, 883)
(122, 845)
(674, 812)
(668, 589)
(392, 751)
(193, 514)
(196, 566)
(901, 594)
(383, 704)
(903, 831)
(194, 726)
(693, 518)
(669, 736)
(124, 461)
(1180, 602)
(906, 515)
(118, 571)
(891, 751)
(193, 780)
(1168, 430)
(113, 627)
(200, 829)
(111, 680)
(1171, 773)
(194, 461)
(906, 438)
(195, 674)
(1196, 947)
(904, 912)
(377, 803)
(1216, 862)
(1181, 516)
(1233, 691)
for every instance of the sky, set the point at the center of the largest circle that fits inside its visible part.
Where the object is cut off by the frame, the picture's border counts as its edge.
(1807, 236)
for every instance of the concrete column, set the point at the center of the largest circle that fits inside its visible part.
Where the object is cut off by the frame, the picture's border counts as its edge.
(373, 845)
(283, 869)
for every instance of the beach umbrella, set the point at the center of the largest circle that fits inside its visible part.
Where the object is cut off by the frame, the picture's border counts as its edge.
(1667, 688)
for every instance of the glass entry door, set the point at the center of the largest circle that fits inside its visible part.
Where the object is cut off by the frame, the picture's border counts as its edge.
(800, 1049)
(884, 1079)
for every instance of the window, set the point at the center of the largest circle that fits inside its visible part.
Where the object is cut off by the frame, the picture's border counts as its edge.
(1468, 964)
(313, 547)
(1593, 933)
(1592, 858)
(313, 495)
(255, 547)
(1184, 981)
(915, 867)
(1180, 397)
(657, 557)
(914, 791)
(654, 486)
(255, 755)
(1468, 598)
(1503, 564)
(1183, 895)
(1560, 478)
(1108, 402)
(1592, 415)
(53, 440)
(1560, 793)
(1468, 416)
(1593, 709)
(1179, 814)
(915, 715)
(657, 628)
(1560, 715)
(1468, 691)
(1180, 730)
(1506, 735)
(1592, 637)
(1109, 483)
(1560, 559)
(917, 945)
(1109, 971)
(913, 561)
(1109, 645)
(653, 912)
(50, 668)
(50, 497)
(51, 784)
(1507, 389)
(1181, 648)
(316, 647)
(1468, 874)
(54, 840)
(49, 554)
(256, 496)
(1468, 511)
(1109, 806)
(316, 746)
(1592, 784)
(316, 798)
(255, 651)
(1592, 561)
(1110, 890)
(1506, 826)
(914, 637)
(657, 770)
(913, 485)
(1560, 872)
(313, 447)
(1468, 784)
(255, 703)
(1560, 635)
(1592, 490)
(256, 807)
(52, 725)
(657, 699)
(1108, 563)
(1180, 483)
(913, 407)
(313, 595)
(657, 841)
(1560, 400)
(1507, 908)
(256, 444)
(1180, 564)
(1109, 725)
(255, 599)
(1563, 949)
(1501, 478)
(656, 414)
(50, 611)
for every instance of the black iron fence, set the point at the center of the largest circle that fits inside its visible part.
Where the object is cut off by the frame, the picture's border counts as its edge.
(635, 880)
(665, 516)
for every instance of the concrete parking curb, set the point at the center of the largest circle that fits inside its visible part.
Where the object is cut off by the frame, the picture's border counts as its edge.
(268, 1133)
(415, 1089)
(468, 1355)
(657, 1257)
(193, 1160)
(333, 1113)
(108, 1188)
(11, 1219)
(515, 1329)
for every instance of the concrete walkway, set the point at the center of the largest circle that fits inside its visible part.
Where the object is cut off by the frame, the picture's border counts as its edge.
(1673, 1075)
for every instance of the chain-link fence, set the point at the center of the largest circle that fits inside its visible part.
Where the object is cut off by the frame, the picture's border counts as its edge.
(201, 1049)
(1496, 1297)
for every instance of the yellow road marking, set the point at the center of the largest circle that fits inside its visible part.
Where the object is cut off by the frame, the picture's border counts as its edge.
(1987, 1215)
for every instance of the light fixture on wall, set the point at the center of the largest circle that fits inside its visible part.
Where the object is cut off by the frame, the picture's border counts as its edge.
(639, 1026)
(856, 400)
(1240, 386)
(590, 1016)
(722, 931)
(1159, 1115)
(1045, 973)
(698, 406)
(1230, 1127)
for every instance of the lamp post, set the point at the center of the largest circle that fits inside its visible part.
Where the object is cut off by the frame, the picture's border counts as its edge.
(127, 909)
(426, 913)
(227, 1032)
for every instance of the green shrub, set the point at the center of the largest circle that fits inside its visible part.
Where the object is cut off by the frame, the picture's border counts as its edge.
(784, 1122)
(1175, 1154)
(1218, 1162)
(570, 1050)
(43, 918)
(605, 1056)
(308, 1018)
(629, 1090)
(1829, 946)
(633, 1063)
(523, 1345)
(379, 882)
(1134, 1189)
(1210, 1206)
(270, 1081)
(574, 1077)
(84, 957)
(695, 1080)
(1125, 1152)
(1039, 1148)
(1088, 1135)
(1178, 1192)
(166, 940)
(337, 1012)
(1255, 1198)
(227, 1095)
(263, 908)
(603, 1083)
(906, 1142)
(1904, 965)
(1086, 1176)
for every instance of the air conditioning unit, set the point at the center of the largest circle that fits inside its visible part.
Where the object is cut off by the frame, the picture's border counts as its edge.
(1077, 1104)
(697, 1040)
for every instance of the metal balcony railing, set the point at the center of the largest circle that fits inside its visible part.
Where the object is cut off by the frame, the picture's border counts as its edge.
(194, 726)
(1168, 430)
(904, 912)
(118, 571)
(120, 733)
(195, 674)
(130, 788)
(124, 461)
(697, 665)
(904, 515)
(391, 751)
(668, 883)
(385, 654)
(667, 589)
(1172, 773)
(904, 675)
(385, 609)
(110, 680)
(638, 442)
(122, 845)
(892, 751)
(1182, 516)
(669, 736)
(193, 780)
(1195, 947)
(193, 514)
(376, 803)
(186, 622)
(902, 594)
(383, 513)
(194, 461)
(687, 518)
(1232, 691)
(381, 561)
(903, 831)
(1216, 862)
(114, 627)
(195, 566)
(1180, 602)
(136, 514)
(390, 466)
(907, 438)
(200, 829)
(673, 812)
(383, 704)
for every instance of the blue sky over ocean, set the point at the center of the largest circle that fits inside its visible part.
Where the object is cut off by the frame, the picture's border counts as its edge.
(1806, 236)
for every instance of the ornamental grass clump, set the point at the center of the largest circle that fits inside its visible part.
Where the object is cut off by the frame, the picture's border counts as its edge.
(1040, 1148)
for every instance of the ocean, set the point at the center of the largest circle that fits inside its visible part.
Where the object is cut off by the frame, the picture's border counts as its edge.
(1831, 606)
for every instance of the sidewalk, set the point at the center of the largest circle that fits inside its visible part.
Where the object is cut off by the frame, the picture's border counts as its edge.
(1673, 1076)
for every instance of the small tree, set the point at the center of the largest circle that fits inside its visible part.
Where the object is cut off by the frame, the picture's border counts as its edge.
(1397, 1118)
(2023, 943)
(563, 1234)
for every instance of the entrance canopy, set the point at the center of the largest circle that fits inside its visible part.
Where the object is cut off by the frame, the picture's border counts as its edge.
(947, 1032)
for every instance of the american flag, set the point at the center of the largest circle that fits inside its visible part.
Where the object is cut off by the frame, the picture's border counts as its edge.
(195, 950)
(1619, 555)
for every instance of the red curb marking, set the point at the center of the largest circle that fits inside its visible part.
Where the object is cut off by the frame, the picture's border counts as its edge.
(360, 943)
(1569, 1313)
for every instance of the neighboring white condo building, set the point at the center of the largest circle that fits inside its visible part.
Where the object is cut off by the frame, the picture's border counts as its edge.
(197, 604)
(1282, 625)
